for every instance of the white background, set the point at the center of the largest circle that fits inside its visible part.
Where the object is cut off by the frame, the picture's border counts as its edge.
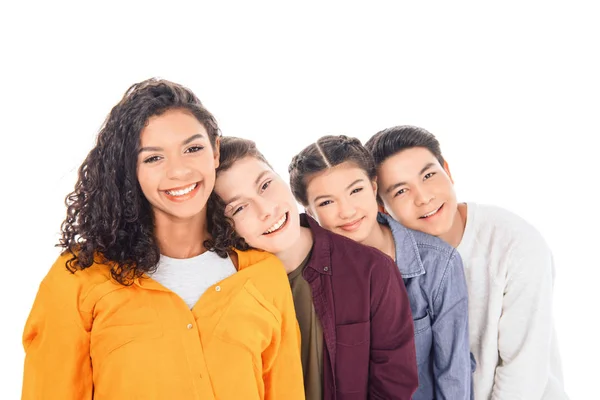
(511, 91)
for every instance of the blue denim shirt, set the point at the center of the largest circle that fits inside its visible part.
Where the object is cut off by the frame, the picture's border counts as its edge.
(433, 274)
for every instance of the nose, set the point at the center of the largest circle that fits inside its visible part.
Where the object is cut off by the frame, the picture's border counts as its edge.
(177, 169)
(346, 209)
(266, 208)
(423, 197)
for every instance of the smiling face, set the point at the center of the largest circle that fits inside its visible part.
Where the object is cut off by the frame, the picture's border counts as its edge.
(342, 199)
(260, 204)
(417, 191)
(176, 165)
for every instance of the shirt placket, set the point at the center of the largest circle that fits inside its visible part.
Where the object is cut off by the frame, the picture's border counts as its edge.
(186, 323)
(323, 301)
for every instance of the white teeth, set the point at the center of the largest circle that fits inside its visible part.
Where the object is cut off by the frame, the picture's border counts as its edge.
(431, 213)
(277, 224)
(181, 192)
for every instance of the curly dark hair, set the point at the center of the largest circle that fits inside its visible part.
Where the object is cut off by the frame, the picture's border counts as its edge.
(223, 231)
(109, 220)
(325, 153)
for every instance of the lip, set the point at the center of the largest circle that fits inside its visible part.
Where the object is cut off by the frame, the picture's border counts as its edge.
(437, 212)
(352, 226)
(282, 227)
(182, 198)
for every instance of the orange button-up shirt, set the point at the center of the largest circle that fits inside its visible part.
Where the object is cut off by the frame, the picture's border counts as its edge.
(88, 337)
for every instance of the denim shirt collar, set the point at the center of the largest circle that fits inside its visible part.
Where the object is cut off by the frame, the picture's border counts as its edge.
(406, 248)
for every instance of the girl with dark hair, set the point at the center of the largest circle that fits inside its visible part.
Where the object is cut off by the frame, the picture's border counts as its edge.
(335, 180)
(354, 317)
(136, 307)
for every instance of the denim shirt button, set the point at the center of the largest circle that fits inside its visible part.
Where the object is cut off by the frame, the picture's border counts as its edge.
(326, 269)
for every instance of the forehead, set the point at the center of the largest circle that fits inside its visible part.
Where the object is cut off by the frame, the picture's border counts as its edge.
(406, 162)
(240, 177)
(335, 179)
(172, 123)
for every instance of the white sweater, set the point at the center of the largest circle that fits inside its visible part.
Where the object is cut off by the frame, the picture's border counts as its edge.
(510, 274)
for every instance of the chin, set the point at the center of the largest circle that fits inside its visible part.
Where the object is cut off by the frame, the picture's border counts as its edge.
(438, 230)
(359, 237)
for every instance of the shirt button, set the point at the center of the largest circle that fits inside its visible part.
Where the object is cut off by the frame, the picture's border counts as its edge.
(326, 269)
(190, 326)
(218, 288)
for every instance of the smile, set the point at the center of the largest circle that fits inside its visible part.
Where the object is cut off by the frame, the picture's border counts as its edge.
(181, 191)
(352, 226)
(432, 213)
(277, 225)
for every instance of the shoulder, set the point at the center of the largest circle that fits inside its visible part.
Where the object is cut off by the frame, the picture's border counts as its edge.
(350, 249)
(425, 249)
(356, 258)
(60, 277)
(80, 289)
(497, 227)
(259, 262)
(427, 244)
(264, 269)
(508, 241)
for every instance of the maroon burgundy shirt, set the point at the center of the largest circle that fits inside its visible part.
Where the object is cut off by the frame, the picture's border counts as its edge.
(361, 302)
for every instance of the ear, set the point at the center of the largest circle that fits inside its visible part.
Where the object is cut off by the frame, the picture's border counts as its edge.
(217, 151)
(447, 169)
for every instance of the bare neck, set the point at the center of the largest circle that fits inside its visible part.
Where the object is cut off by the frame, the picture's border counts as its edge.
(454, 236)
(179, 238)
(382, 239)
(293, 256)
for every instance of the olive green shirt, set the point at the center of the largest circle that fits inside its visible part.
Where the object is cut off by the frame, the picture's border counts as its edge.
(311, 333)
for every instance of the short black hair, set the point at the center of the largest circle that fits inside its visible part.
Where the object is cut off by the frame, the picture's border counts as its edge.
(391, 141)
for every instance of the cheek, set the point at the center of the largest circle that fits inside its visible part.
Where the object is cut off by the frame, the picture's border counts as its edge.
(242, 226)
(444, 187)
(400, 209)
(325, 216)
(369, 199)
(145, 180)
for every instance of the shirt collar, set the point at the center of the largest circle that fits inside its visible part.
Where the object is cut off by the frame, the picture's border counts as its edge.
(244, 259)
(408, 257)
(320, 259)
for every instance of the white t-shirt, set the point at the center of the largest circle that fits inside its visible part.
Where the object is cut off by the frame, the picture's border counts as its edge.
(190, 277)
(510, 273)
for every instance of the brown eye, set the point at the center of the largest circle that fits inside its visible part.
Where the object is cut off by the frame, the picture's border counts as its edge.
(151, 160)
(237, 210)
(265, 186)
(401, 191)
(194, 149)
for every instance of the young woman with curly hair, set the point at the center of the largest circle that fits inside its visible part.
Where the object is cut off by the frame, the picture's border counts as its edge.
(351, 304)
(136, 307)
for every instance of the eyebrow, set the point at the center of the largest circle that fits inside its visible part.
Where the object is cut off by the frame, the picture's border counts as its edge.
(258, 179)
(186, 141)
(260, 176)
(396, 185)
(347, 187)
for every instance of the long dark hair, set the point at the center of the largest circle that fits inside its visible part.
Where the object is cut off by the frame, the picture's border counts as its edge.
(325, 153)
(109, 219)
(223, 232)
